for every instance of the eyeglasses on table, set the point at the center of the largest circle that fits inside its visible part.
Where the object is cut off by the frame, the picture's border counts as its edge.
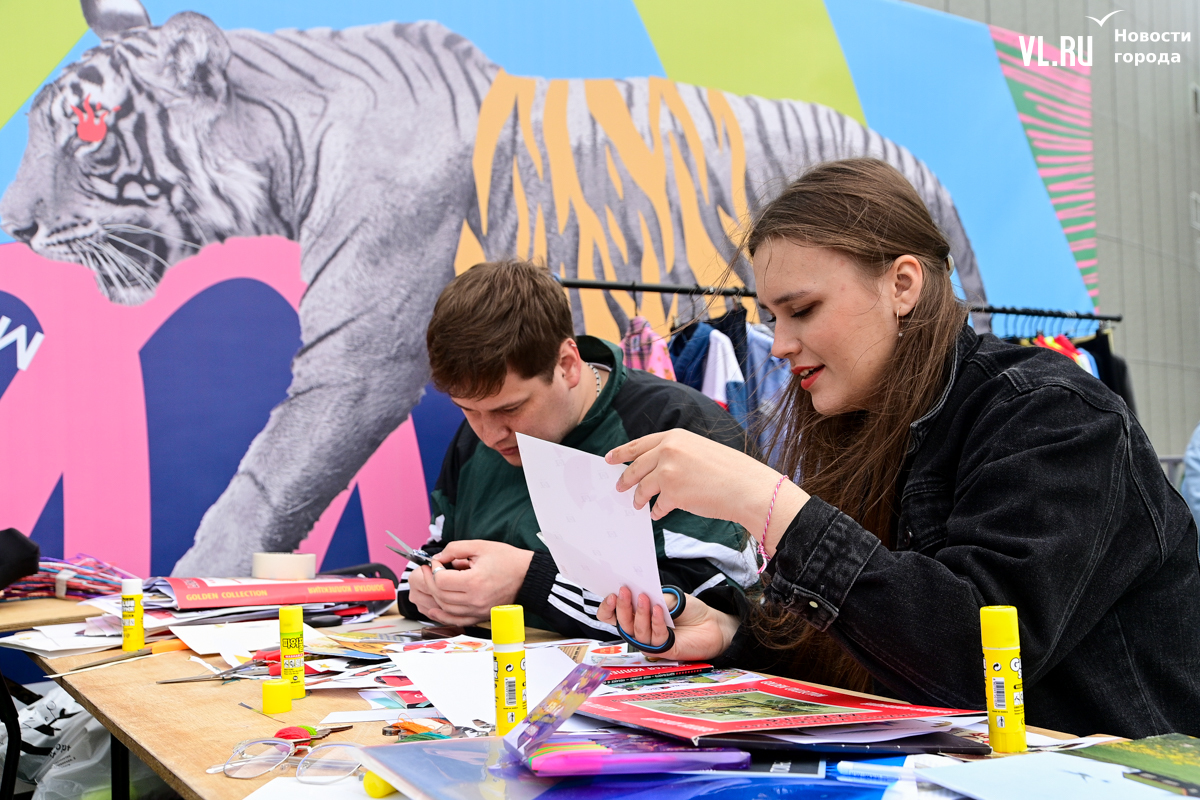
(326, 763)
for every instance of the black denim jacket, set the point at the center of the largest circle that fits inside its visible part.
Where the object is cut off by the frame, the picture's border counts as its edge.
(1028, 484)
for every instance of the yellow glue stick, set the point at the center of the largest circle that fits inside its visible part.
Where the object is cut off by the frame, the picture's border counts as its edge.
(133, 626)
(291, 648)
(1002, 673)
(508, 666)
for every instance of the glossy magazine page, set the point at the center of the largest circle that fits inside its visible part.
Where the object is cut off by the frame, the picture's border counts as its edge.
(767, 704)
(474, 769)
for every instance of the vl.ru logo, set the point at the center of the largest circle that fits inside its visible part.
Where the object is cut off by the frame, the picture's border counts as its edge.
(1069, 56)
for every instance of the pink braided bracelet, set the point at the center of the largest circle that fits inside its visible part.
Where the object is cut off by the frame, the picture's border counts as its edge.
(762, 551)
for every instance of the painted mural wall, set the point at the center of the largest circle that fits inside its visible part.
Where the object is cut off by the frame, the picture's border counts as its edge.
(225, 224)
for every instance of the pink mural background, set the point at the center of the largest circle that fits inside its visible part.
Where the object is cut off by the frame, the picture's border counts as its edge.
(86, 377)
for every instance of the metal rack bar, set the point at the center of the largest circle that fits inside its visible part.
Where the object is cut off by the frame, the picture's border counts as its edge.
(741, 291)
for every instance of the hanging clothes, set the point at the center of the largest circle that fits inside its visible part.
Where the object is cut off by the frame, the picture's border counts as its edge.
(733, 325)
(766, 378)
(689, 350)
(646, 350)
(723, 379)
(1061, 344)
(766, 375)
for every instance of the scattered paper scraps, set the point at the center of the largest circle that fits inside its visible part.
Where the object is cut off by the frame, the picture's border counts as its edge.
(460, 684)
(455, 644)
(722, 676)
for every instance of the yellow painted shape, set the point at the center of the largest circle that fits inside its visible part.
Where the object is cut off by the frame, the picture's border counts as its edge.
(702, 253)
(540, 247)
(645, 163)
(522, 204)
(652, 306)
(638, 155)
(613, 174)
(783, 49)
(568, 195)
(34, 37)
(722, 113)
(470, 251)
(506, 91)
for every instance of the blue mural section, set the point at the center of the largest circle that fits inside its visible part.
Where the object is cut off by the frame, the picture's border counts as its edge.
(583, 39)
(932, 82)
(48, 530)
(212, 374)
(348, 547)
(435, 420)
(19, 329)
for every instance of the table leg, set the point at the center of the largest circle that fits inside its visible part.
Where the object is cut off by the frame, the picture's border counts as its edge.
(120, 769)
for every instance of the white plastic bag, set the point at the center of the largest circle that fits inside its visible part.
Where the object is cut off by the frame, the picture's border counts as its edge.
(44, 723)
(65, 751)
(81, 769)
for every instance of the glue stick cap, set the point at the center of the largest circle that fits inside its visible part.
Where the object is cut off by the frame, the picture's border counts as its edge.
(508, 624)
(998, 626)
(291, 618)
(131, 586)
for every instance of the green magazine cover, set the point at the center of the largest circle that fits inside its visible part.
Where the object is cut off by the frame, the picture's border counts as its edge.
(1170, 762)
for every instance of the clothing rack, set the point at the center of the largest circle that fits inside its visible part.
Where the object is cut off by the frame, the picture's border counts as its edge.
(742, 291)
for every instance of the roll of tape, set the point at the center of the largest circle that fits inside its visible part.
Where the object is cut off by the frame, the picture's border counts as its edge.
(284, 566)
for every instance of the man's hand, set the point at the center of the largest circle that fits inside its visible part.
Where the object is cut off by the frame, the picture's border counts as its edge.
(420, 596)
(485, 574)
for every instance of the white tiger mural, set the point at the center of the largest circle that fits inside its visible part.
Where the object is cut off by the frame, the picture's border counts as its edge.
(394, 154)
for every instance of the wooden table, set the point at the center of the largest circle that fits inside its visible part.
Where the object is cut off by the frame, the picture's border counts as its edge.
(180, 730)
(19, 615)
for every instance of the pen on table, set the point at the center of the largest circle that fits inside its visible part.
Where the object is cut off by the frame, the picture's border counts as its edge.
(863, 769)
(164, 646)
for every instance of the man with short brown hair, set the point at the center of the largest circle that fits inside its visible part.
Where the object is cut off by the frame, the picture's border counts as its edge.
(502, 345)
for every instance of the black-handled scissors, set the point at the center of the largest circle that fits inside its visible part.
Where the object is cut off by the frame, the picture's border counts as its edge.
(680, 602)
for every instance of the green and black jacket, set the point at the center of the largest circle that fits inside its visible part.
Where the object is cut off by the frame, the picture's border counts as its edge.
(479, 495)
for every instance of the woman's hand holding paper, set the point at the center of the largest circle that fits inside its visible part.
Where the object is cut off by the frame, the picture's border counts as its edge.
(704, 477)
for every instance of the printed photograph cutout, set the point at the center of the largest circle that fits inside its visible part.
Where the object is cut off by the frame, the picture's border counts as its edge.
(741, 707)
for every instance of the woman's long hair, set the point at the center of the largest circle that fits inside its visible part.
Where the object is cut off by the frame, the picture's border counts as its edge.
(865, 209)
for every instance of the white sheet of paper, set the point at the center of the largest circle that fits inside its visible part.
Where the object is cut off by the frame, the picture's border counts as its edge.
(460, 684)
(598, 539)
(210, 640)
(1040, 776)
(288, 788)
(545, 668)
(39, 644)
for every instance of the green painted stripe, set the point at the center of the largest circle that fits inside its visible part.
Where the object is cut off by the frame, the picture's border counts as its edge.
(35, 35)
(783, 49)
(1082, 133)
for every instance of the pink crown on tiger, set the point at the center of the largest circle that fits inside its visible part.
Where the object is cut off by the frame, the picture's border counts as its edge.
(91, 126)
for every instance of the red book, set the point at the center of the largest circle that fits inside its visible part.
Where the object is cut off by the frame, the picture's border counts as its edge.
(640, 673)
(753, 707)
(193, 593)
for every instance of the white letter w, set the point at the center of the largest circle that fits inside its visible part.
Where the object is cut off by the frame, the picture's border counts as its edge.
(26, 348)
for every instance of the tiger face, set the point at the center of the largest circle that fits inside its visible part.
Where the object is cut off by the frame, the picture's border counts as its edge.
(121, 173)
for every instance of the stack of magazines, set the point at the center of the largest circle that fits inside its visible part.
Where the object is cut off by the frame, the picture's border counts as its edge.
(170, 603)
(327, 600)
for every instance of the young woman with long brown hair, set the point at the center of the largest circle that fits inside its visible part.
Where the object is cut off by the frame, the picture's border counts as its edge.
(932, 471)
